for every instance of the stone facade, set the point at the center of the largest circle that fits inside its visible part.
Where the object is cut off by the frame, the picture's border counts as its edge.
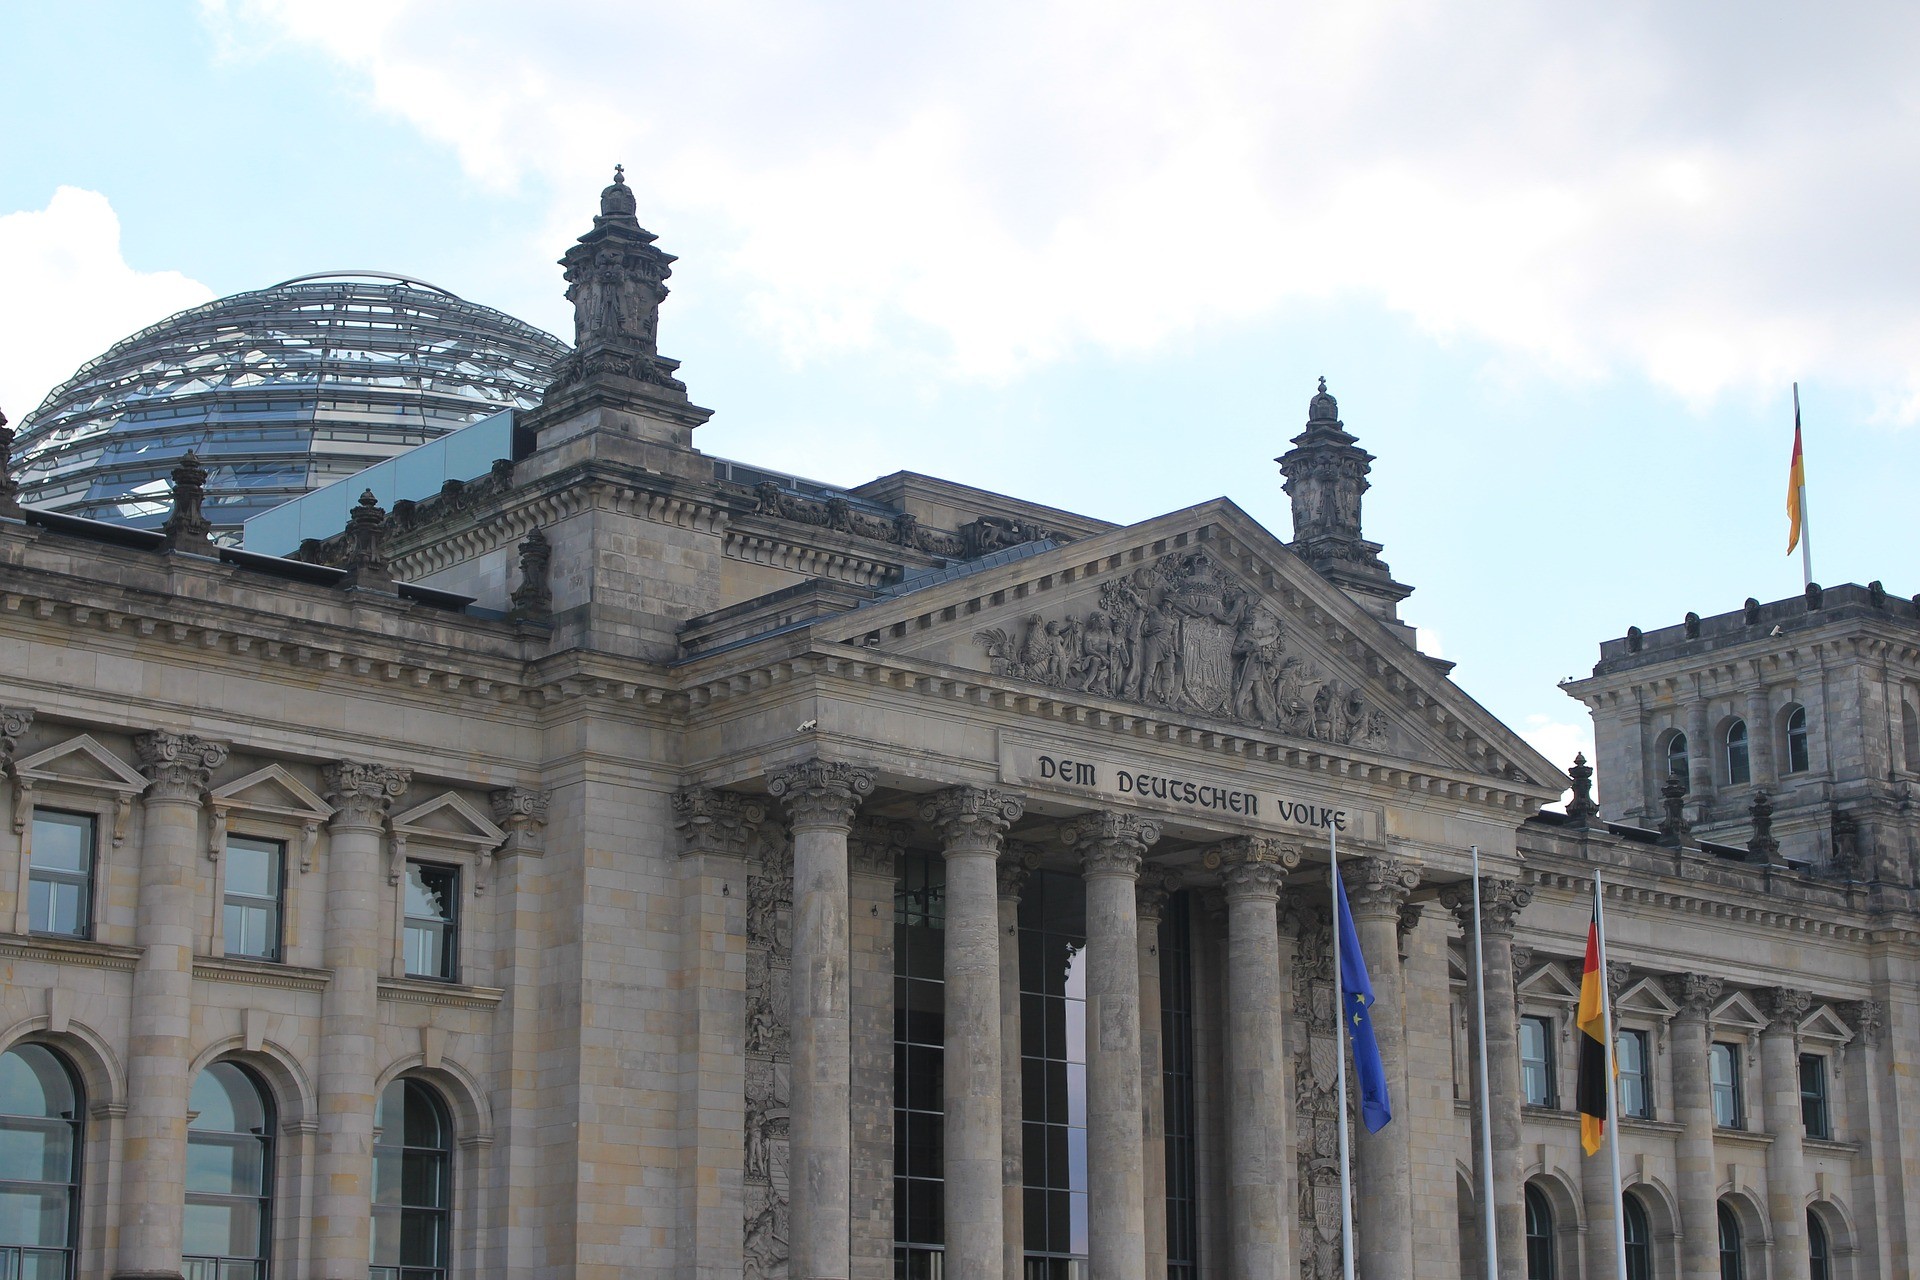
(592, 785)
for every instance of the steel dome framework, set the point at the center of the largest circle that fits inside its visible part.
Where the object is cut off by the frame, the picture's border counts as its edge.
(279, 391)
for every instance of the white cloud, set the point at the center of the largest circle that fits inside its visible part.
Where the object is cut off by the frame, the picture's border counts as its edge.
(1427, 640)
(71, 294)
(1720, 205)
(1559, 741)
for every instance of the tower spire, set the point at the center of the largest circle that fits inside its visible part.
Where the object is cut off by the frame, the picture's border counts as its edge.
(1326, 475)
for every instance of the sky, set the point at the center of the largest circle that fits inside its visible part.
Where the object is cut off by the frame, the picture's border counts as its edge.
(1561, 264)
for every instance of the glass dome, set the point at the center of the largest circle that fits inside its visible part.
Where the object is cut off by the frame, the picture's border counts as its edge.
(279, 391)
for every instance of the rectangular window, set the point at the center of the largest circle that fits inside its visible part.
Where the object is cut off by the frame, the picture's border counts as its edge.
(1729, 1112)
(1176, 1041)
(1814, 1112)
(1636, 1090)
(251, 911)
(919, 1037)
(60, 873)
(1536, 1062)
(1053, 1060)
(433, 924)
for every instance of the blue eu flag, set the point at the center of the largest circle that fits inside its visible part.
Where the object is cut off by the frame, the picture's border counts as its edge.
(1356, 999)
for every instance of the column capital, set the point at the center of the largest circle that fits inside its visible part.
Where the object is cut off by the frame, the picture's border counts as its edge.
(1015, 867)
(1501, 902)
(361, 793)
(1695, 993)
(1252, 866)
(821, 793)
(1110, 843)
(1150, 893)
(711, 821)
(522, 814)
(874, 846)
(180, 764)
(1866, 1017)
(1378, 885)
(972, 819)
(13, 727)
(1784, 1007)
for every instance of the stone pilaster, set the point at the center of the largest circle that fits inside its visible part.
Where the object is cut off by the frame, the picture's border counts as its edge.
(1377, 889)
(1699, 761)
(159, 1048)
(1699, 1227)
(972, 822)
(1876, 1201)
(1150, 903)
(1501, 901)
(1111, 846)
(873, 855)
(719, 829)
(1760, 734)
(361, 795)
(1786, 1157)
(522, 813)
(821, 797)
(1016, 865)
(1259, 1082)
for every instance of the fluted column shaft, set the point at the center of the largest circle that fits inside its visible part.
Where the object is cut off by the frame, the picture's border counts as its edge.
(159, 1047)
(971, 822)
(350, 1014)
(1377, 888)
(1015, 866)
(1110, 847)
(1259, 1081)
(1150, 900)
(1693, 1108)
(821, 797)
(1786, 1156)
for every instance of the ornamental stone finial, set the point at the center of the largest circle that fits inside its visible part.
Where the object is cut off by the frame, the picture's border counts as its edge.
(874, 847)
(1695, 993)
(179, 764)
(533, 598)
(1110, 843)
(1784, 1007)
(972, 819)
(187, 527)
(361, 793)
(1501, 902)
(616, 281)
(366, 546)
(1674, 827)
(1581, 810)
(1763, 848)
(821, 793)
(1378, 885)
(716, 822)
(9, 487)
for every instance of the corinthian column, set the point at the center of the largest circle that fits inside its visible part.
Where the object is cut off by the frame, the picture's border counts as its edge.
(1150, 903)
(972, 822)
(821, 797)
(1376, 890)
(1259, 1083)
(1016, 865)
(1111, 846)
(159, 1051)
(350, 1013)
(1501, 902)
(1693, 1107)
(1786, 1157)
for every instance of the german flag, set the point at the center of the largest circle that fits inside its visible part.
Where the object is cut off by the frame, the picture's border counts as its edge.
(1796, 482)
(1592, 1090)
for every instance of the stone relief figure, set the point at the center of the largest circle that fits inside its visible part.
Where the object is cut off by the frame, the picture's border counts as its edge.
(768, 1052)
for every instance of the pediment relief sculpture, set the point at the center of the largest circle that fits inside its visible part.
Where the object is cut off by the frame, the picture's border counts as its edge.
(1179, 634)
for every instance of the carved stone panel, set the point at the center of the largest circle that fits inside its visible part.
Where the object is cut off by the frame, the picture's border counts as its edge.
(1316, 1047)
(769, 1053)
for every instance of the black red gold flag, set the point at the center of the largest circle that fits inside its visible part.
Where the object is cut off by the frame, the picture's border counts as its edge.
(1592, 1091)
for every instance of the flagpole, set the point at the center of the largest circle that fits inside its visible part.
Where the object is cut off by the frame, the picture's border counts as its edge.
(1486, 1110)
(1806, 516)
(1340, 1053)
(1613, 1081)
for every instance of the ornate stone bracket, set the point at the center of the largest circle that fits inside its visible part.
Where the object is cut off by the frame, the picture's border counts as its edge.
(180, 764)
(1110, 843)
(821, 793)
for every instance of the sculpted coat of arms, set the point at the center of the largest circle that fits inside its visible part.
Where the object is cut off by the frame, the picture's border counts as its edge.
(1179, 634)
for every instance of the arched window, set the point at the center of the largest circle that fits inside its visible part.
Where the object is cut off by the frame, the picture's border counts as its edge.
(1639, 1239)
(412, 1184)
(1909, 736)
(1819, 1249)
(40, 1118)
(1539, 1235)
(1677, 756)
(1797, 756)
(1739, 772)
(229, 1223)
(1733, 1262)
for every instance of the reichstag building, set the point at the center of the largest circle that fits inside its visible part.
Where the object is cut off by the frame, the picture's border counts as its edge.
(616, 861)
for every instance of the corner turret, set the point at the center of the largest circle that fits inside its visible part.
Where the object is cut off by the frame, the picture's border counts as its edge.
(1326, 473)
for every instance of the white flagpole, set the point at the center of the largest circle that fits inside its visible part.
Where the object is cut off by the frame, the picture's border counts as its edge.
(1806, 516)
(1340, 1054)
(1613, 1082)
(1486, 1109)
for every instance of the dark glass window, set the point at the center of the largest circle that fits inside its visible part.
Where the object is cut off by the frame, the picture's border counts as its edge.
(1739, 773)
(229, 1214)
(40, 1119)
(1536, 1062)
(1176, 1039)
(1797, 741)
(412, 1184)
(432, 921)
(1814, 1112)
(1677, 756)
(1729, 1109)
(1639, 1239)
(1053, 1060)
(60, 873)
(1733, 1260)
(251, 912)
(919, 1032)
(1909, 737)
(1819, 1249)
(1636, 1086)
(1539, 1235)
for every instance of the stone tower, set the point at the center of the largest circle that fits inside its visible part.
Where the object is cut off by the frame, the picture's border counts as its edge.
(1326, 473)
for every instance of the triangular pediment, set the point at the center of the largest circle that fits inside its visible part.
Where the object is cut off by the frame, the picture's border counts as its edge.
(1201, 614)
(1550, 982)
(1647, 997)
(82, 762)
(449, 818)
(272, 790)
(1824, 1024)
(1737, 1011)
